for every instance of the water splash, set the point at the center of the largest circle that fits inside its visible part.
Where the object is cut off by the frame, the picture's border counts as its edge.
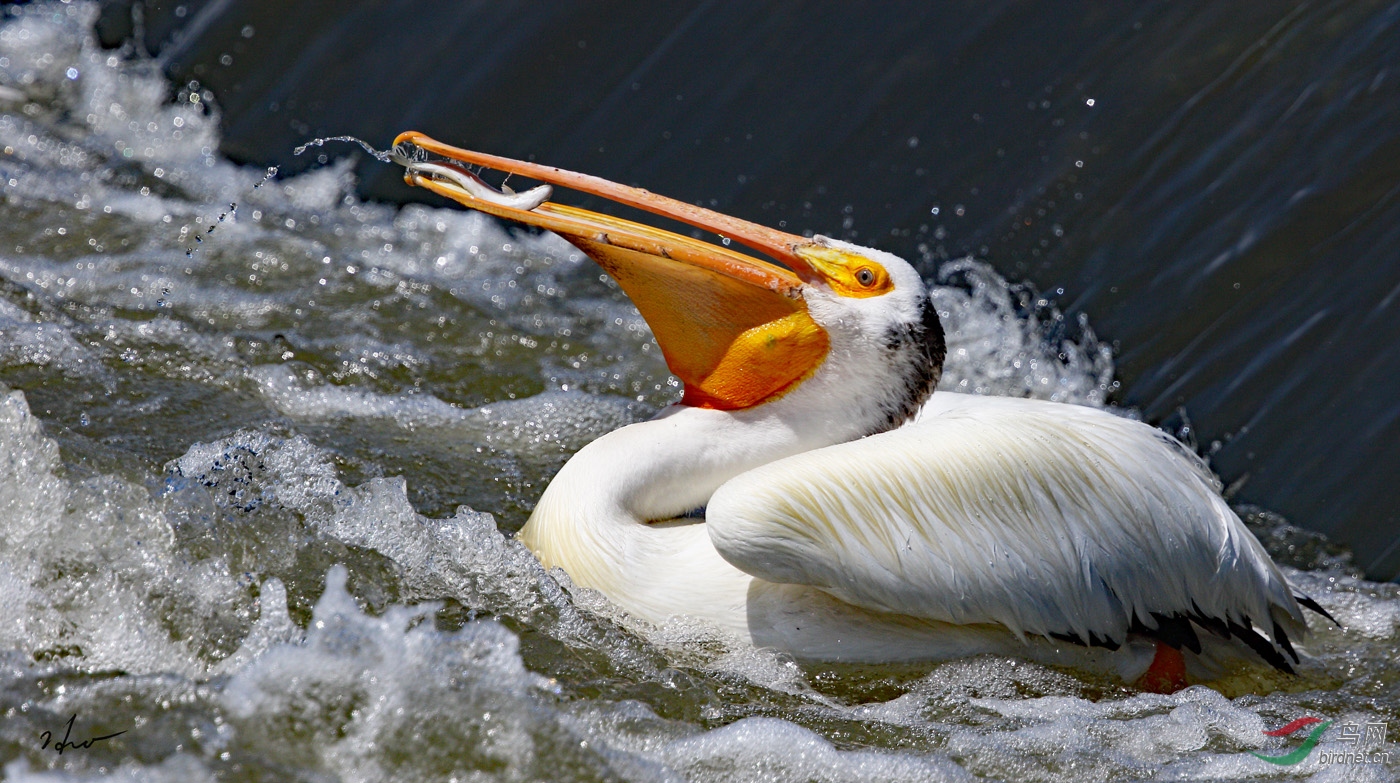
(392, 155)
(229, 213)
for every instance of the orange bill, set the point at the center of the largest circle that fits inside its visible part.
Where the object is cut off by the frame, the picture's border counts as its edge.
(734, 328)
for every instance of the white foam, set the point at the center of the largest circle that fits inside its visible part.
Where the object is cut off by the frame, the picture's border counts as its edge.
(369, 684)
(251, 468)
(773, 750)
(284, 391)
(464, 557)
(467, 696)
(390, 697)
(550, 419)
(46, 342)
(178, 768)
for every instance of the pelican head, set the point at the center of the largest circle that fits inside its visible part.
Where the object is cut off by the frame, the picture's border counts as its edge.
(836, 326)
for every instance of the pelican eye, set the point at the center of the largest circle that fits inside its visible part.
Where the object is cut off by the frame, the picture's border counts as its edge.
(847, 272)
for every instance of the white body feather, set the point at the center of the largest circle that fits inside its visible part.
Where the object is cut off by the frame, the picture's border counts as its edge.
(1037, 516)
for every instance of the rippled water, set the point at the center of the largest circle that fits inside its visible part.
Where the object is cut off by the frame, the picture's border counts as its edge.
(259, 493)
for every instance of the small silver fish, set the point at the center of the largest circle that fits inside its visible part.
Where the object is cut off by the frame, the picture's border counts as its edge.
(475, 185)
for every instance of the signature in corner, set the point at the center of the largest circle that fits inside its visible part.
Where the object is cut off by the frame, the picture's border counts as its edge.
(66, 744)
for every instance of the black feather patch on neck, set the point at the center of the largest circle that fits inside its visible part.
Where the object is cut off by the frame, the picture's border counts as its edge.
(918, 349)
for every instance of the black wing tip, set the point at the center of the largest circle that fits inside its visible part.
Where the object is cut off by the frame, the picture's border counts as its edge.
(1173, 630)
(1176, 631)
(1106, 642)
(1316, 607)
(1215, 625)
(1282, 639)
(1261, 646)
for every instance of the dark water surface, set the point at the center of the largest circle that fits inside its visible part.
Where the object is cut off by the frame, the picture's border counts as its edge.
(258, 482)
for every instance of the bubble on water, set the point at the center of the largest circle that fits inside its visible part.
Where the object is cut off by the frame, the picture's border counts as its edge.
(1145, 731)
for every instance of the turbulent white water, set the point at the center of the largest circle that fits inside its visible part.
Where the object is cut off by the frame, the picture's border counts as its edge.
(238, 489)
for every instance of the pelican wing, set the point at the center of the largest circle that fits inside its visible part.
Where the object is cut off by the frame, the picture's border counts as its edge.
(1047, 518)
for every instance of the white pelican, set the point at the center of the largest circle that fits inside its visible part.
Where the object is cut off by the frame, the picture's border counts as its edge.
(811, 492)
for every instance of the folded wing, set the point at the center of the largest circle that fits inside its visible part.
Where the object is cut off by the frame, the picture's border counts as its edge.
(1046, 518)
